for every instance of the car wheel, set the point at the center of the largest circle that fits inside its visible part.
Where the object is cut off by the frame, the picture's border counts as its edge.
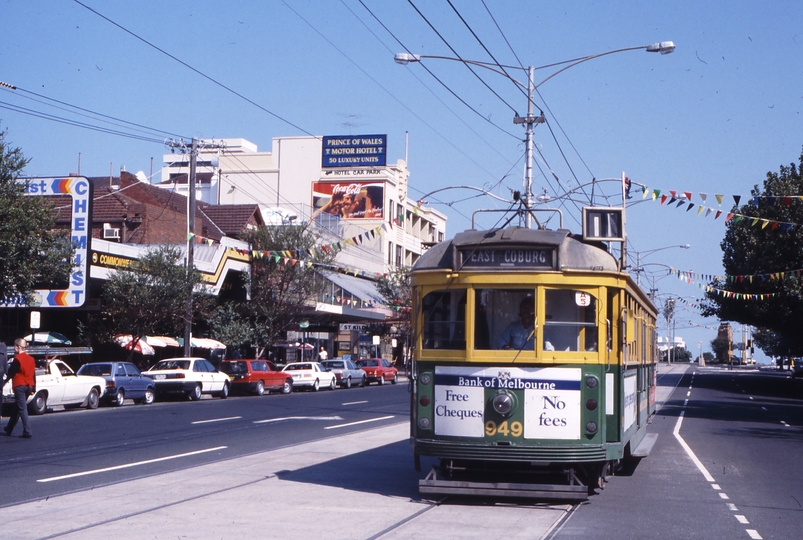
(381, 380)
(287, 387)
(348, 383)
(149, 397)
(120, 397)
(362, 382)
(260, 389)
(395, 379)
(38, 404)
(93, 399)
(316, 385)
(225, 392)
(195, 393)
(333, 384)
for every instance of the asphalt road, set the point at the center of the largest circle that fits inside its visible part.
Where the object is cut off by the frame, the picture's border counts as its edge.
(178, 434)
(745, 428)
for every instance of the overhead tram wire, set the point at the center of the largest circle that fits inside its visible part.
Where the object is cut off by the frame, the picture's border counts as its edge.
(513, 109)
(197, 71)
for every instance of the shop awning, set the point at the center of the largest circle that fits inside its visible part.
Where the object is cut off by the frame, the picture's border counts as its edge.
(361, 288)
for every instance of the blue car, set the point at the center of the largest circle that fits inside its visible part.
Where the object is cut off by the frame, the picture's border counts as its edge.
(123, 380)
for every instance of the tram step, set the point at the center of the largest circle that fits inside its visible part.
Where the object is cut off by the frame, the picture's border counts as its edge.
(645, 446)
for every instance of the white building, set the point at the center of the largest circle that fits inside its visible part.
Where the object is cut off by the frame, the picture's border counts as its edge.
(291, 183)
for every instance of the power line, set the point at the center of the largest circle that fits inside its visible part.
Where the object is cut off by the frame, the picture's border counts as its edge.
(202, 74)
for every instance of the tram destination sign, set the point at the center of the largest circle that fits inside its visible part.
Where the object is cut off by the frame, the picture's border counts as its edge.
(507, 257)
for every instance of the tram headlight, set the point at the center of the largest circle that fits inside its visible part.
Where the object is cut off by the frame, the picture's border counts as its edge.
(591, 427)
(503, 403)
(592, 382)
(425, 378)
(423, 423)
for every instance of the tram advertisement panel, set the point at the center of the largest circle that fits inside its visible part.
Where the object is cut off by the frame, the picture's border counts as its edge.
(630, 400)
(550, 398)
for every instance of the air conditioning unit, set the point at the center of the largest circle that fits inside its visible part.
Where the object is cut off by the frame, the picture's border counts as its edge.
(109, 233)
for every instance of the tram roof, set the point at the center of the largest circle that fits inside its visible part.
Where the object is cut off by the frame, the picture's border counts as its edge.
(572, 252)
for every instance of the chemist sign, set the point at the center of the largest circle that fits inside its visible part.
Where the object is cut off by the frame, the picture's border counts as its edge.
(354, 151)
(79, 190)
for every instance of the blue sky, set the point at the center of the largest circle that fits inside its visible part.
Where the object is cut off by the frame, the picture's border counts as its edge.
(713, 117)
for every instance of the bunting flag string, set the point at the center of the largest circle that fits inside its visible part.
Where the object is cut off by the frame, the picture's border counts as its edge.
(684, 199)
(689, 277)
(750, 278)
(198, 239)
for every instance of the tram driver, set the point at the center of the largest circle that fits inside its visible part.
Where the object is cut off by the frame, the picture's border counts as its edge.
(519, 335)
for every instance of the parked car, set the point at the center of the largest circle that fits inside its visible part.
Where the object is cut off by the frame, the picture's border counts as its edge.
(346, 372)
(797, 367)
(57, 384)
(256, 376)
(378, 370)
(123, 380)
(189, 376)
(310, 374)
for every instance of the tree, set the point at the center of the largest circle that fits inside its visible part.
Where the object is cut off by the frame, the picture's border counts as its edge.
(150, 297)
(721, 347)
(33, 253)
(755, 248)
(395, 287)
(284, 281)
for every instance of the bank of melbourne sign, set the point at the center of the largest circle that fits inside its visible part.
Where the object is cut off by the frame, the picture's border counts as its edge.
(79, 191)
(354, 151)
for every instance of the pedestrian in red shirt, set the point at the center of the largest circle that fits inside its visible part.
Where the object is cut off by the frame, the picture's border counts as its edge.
(22, 372)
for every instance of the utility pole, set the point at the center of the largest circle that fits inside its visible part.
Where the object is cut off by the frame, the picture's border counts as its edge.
(193, 150)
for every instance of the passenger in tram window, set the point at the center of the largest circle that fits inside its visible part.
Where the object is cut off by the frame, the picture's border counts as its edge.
(519, 335)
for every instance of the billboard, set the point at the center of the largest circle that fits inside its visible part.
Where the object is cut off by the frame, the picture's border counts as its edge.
(354, 151)
(352, 200)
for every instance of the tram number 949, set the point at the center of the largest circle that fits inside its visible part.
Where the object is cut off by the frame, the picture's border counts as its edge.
(514, 429)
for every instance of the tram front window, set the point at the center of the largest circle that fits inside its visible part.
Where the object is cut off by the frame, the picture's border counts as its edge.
(571, 321)
(445, 320)
(504, 319)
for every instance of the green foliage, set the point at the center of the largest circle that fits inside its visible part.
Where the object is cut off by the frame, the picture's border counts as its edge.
(229, 324)
(150, 297)
(752, 249)
(32, 251)
(721, 346)
(282, 293)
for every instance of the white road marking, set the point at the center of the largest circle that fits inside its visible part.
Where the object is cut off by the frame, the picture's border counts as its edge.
(763, 408)
(716, 486)
(128, 465)
(751, 398)
(784, 423)
(753, 534)
(355, 402)
(360, 422)
(741, 519)
(216, 420)
(688, 393)
(723, 496)
(284, 418)
(732, 507)
(689, 451)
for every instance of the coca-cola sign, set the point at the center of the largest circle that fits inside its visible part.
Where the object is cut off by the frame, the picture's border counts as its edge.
(350, 200)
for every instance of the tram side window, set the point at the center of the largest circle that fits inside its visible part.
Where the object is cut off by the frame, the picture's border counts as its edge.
(504, 319)
(571, 321)
(445, 320)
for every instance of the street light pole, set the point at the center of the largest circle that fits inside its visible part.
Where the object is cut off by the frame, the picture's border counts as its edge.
(663, 47)
(639, 268)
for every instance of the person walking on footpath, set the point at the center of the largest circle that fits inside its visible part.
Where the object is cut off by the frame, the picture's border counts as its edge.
(22, 372)
(3, 371)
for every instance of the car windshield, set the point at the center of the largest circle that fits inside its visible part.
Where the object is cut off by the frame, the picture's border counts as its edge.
(171, 364)
(333, 365)
(96, 370)
(297, 367)
(234, 368)
(368, 363)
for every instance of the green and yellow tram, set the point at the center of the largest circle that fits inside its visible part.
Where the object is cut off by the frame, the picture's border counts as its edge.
(534, 364)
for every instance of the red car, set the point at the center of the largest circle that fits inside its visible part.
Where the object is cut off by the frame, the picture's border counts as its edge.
(378, 370)
(256, 376)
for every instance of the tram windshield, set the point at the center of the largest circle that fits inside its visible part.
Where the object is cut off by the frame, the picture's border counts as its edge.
(445, 319)
(504, 319)
(571, 321)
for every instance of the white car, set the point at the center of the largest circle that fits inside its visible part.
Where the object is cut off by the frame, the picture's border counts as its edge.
(57, 384)
(189, 376)
(311, 374)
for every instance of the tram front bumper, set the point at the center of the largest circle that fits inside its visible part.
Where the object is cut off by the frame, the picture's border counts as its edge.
(519, 453)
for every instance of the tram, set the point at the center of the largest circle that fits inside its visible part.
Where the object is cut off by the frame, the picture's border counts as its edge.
(533, 369)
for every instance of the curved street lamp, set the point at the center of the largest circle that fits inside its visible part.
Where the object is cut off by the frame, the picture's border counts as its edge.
(663, 47)
(639, 268)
